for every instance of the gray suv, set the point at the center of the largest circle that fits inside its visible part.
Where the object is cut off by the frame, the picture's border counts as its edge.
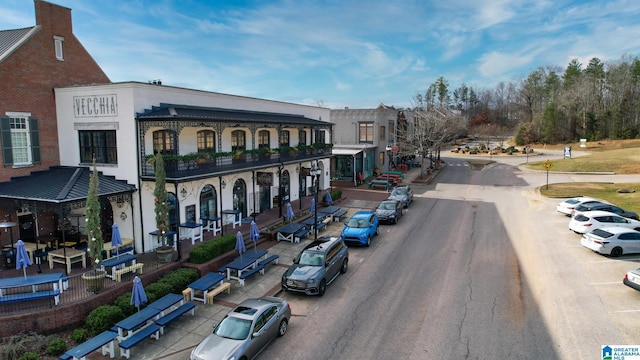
(317, 266)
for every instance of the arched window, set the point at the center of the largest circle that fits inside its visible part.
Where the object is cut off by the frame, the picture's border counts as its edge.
(164, 142)
(263, 139)
(284, 138)
(206, 141)
(208, 202)
(302, 137)
(238, 140)
(240, 196)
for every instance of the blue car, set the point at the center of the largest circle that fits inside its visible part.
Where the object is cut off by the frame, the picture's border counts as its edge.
(359, 230)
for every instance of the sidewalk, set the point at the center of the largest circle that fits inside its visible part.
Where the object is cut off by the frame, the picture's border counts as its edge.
(182, 335)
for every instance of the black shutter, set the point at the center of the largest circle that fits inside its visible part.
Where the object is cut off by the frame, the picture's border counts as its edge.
(35, 140)
(7, 149)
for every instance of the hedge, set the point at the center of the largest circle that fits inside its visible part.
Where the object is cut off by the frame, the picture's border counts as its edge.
(211, 249)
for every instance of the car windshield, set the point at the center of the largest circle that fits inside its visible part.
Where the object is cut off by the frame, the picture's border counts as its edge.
(233, 328)
(400, 191)
(387, 206)
(309, 258)
(358, 223)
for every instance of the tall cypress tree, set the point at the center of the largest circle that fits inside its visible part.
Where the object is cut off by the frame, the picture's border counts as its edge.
(94, 232)
(161, 205)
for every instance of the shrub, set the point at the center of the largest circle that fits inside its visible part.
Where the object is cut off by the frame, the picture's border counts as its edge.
(29, 356)
(156, 290)
(124, 303)
(180, 279)
(103, 318)
(335, 194)
(79, 335)
(56, 347)
(209, 250)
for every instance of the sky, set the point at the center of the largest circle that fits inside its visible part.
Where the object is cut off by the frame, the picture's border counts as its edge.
(341, 53)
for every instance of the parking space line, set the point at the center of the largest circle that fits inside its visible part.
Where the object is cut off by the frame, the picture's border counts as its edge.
(626, 311)
(607, 283)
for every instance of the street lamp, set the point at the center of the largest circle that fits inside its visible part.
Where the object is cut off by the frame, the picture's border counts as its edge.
(388, 167)
(315, 177)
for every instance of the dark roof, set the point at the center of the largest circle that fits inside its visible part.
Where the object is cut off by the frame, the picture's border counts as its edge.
(172, 111)
(11, 38)
(60, 185)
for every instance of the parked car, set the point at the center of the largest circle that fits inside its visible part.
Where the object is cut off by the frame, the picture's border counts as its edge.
(359, 230)
(316, 266)
(613, 241)
(567, 206)
(632, 279)
(403, 193)
(389, 211)
(245, 330)
(587, 221)
(591, 206)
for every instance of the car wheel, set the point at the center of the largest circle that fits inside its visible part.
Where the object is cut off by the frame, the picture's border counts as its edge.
(322, 287)
(368, 240)
(395, 220)
(616, 251)
(282, 329)
(377, 230)
(345, 266)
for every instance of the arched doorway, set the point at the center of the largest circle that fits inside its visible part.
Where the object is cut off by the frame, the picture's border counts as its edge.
(240, 196)
(286, 186)
(106, 214)
(173, 219)
(208, 202)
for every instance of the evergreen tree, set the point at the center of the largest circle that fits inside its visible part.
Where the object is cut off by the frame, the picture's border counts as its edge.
(94, 232)
(161, 205)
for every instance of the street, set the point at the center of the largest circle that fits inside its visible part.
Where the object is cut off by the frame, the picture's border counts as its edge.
(480, 266)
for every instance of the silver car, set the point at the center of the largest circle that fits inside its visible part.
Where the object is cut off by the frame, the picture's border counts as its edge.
(404, 193)
(246, 330)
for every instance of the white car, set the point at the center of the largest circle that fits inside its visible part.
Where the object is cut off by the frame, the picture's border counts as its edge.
(566, 207)
(587, 221)
(632, 279)
(613, 241)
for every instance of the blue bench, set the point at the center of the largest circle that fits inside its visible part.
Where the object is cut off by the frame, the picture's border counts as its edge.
(300, 234)
(269, 260)
(105, 341)
(246, 274)
(338, 215)
(65, 356)
(125, 345)
(55, 294)
(183, 309)
(223, 270)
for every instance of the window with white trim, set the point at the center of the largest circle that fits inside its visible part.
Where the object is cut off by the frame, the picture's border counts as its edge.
(20, 139)
(57, 40)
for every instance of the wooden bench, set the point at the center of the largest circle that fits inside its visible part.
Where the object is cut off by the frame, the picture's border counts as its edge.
(186, 294)
(127, 269)
(105, 341)
(55, 294)
(226, 287)
(300, 234)
(125, 345)
(183, 309)
(379, 183)
(339, 215)
(246, 274)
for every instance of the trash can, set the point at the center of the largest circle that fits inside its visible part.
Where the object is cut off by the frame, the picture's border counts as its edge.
(9, 255)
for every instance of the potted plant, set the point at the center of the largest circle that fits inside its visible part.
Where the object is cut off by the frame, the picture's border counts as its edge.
(94, 279)
(238, 155)
(165, 251)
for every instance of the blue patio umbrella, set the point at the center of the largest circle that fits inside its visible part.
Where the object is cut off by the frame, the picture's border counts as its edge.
(254, 234)
(289, 215)
(138, 296)
(240, 248)
(312, 208)
(22, 257)
(328, 198)
(116, 239)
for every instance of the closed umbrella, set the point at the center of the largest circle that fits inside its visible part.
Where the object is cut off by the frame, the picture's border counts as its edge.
(289, 215)
(328, 198)
(138, 296)
(22, 258)
(116, 239)
(254, 234)
(312, 208)
(240, 248)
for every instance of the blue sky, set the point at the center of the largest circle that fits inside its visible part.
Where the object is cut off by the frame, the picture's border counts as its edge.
(341, 53)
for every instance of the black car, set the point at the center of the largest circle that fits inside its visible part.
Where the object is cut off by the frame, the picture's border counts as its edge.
(606, 207)
(389, 211)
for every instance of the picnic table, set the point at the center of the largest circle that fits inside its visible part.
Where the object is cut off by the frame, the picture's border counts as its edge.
(168, 301)
(32, 280)
(137, 320)
(191, 230)
(247, 262)
(158, 242)
(311, 222)
(329, 210)
(117, 262)
(67, 256)
(232, 217)
(211, 223)
(288, 231)
(204, 284)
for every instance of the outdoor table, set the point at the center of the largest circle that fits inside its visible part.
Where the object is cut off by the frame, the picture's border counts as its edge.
(231, 217)
(192, 231)
(156, 240)
(33, 280)
(247, 261)
(135, 321)
(126, 242)
(166, 302)
(311, 221)
(329, 210)
(211, 224)
(204, 284)
(117, 262)
(31, 248)
(67, 257)
(286, 232)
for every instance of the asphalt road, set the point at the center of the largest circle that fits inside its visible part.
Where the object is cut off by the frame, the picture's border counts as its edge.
(480, 267)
